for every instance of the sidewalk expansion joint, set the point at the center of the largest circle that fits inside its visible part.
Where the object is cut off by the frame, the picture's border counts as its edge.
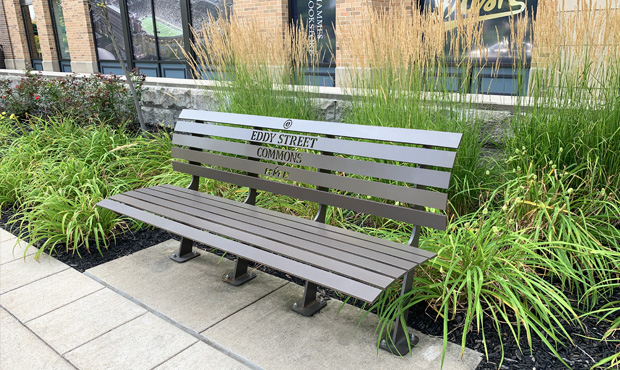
(246, 306)
(66, 304)
(184, 328)
(34, 281)
(104, 333)
(38, 337)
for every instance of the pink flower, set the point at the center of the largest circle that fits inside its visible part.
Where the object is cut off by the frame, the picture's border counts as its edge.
(36, 98)
(3, 96)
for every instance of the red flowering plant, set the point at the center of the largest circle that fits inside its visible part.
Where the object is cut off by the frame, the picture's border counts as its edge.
(100, 97)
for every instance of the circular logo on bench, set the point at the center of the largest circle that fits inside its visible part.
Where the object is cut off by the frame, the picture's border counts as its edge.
(288, 123)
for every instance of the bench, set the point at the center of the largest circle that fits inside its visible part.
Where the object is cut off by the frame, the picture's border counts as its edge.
(379, 171)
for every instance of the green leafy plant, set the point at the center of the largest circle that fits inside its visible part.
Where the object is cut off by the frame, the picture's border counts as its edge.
(57, 170)
(511, 262)
(108, 97)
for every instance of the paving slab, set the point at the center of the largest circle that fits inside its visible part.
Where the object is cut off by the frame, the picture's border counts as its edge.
(85, 319)
(21, 349)
(201, 356)
(14, 249)
(42, 296)
(21, 272)
(191, 293)
(5, 235)
(142, 343)
(272, 336)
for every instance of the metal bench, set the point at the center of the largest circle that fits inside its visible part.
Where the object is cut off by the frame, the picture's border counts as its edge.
(381, 171)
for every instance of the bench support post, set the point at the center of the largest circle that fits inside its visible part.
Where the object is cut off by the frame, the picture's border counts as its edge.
(308, 305)
(399, 342)
(186, 251)
(240, 275)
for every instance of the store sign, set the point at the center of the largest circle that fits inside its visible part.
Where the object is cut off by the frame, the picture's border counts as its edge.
(496, 17)
(318, 18)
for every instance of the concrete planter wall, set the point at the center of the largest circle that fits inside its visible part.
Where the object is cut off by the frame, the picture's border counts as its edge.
(164, 98)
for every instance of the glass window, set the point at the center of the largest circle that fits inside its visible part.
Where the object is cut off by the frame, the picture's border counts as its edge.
(202, 9)
(61, 32)
(319, 18)
(30, 23)
(142, 29)
(105, 50)
(169, 28)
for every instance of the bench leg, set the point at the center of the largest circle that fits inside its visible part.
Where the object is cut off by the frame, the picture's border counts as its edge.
(399, 341)
(308, 305)
(240, 275)
(186, 251)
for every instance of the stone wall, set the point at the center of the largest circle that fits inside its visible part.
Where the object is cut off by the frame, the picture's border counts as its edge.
(162, 104)
(163, 100)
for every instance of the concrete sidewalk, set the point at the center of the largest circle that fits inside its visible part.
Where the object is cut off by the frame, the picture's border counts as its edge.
(144, 311)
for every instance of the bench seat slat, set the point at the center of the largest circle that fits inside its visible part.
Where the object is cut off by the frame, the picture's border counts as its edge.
(395, 134)
(253, 223)
(423, 156)
(347, 236)
(191, 217)
(375, 248)
(421, 197)
(411, 175)
(413, 216)
(320, 277)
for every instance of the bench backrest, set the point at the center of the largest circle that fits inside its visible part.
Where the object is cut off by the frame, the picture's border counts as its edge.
(383, 171)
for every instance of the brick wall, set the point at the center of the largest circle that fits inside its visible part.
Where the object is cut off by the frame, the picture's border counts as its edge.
(79, 31)
(19, 43)
(272, 14)
(44, 28)
(349, 14)
(5, 38)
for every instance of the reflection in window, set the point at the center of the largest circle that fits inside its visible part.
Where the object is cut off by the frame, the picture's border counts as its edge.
(142, 29)
(202, 9)
(169, 28)
(61, 32)
(30, 23)
(105, 50)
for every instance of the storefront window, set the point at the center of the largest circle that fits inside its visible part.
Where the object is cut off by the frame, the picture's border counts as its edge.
(155, 33)
(203, 10)
(105, 49)
(318, 18)
(30, 23)
(142, 29)
(61, 32)
(169, 29)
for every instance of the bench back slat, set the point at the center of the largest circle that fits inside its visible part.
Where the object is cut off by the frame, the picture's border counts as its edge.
(411, 175)
(354, 167)
(425, 198)
(409, 215)
(423, 156)
(394, 134)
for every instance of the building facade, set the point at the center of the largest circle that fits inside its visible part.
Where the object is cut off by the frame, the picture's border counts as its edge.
(66, 36)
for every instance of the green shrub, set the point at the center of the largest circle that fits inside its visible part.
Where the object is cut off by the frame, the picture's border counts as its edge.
(511, 262)
(58, 169)
(99, 97)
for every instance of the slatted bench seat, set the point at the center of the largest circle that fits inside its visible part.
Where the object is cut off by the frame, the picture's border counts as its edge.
(378, 171)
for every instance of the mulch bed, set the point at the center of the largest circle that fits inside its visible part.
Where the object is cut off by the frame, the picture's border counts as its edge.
(581, 354)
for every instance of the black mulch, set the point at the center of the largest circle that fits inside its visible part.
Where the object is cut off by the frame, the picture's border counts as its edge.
(581, 354)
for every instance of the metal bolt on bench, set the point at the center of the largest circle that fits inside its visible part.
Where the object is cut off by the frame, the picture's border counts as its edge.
(380, 171)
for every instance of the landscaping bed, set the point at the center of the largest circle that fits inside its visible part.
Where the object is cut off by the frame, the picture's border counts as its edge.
(530, 256)
(585, 351)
